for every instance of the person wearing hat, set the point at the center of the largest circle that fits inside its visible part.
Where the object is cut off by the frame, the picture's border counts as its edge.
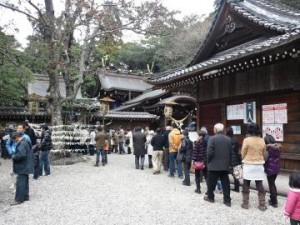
(22, 166)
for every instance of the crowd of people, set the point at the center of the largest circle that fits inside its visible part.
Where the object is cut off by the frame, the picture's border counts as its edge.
(212, 158)
(29, 154)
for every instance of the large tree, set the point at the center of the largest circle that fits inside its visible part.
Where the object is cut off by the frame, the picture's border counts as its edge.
(82, 23)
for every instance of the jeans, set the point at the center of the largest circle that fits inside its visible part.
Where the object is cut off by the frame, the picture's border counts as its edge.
(157, 160)
(22, 188)
(172, 159)
(36, 167)
(187, 167)
(44, 163)
(213, 177)
(121, 148)
(103, 156)
(137, 161)
(272, 188)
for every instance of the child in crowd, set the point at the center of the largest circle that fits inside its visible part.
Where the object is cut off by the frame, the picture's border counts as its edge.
(292, 206)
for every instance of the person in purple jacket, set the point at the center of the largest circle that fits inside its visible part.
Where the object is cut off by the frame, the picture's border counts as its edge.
(272, 167)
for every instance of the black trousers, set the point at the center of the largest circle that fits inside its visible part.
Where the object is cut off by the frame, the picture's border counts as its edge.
(22, 188)
(186, 170)
(272, 188)
(213, 177)
(198, 174)
(294, 222)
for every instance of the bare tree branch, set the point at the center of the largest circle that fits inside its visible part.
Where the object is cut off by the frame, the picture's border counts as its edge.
(14, 8)
(38, 10)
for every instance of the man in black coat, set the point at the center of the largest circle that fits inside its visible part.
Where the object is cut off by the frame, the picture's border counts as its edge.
(22, 166)
(139, 140)
(30, 132)
(218, 163)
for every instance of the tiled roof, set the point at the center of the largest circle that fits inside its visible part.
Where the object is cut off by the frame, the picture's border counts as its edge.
(268, 14)
(282, 20)
(244, 50)
(40, 84)
(19, 111)
(123, 82)
(146, 96)
(125, 107)
(131, 116)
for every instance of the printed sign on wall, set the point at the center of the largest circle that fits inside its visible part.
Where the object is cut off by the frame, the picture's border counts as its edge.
(280, 113)
(276, 130)
(235, 112)
(268, 114)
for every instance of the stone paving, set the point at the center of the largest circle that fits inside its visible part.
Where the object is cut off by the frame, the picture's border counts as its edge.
(120, 194)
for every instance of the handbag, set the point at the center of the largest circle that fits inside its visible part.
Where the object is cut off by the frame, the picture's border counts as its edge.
(199, 165)
(238, 172)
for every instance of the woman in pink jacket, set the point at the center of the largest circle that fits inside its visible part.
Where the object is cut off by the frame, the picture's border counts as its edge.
(292, 205)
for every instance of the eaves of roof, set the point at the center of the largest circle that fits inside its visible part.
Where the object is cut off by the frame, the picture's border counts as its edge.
(218, 64)
(131, 116)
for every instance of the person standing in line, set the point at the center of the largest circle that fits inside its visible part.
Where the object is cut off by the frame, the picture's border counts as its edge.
(121, 140)
(174, 146)
(158, 143)
(235, 157)
(292, 205)
(218, 162)
(272, 167)
(149, 147)
(166, 148)
(23, 166)
(100, 145)
(116, 141)
(128, 141)
(45, 147)
(206, 139)
(186, 149)
(253, 152)
(199, 155)
(30, 132)
(139, 140)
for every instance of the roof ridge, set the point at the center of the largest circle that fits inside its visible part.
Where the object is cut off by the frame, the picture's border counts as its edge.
(259, 13)
(277, 6)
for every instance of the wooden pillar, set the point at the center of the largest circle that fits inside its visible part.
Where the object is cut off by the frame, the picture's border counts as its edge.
(198, 105)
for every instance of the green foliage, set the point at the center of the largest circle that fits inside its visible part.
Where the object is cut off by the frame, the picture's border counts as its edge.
(89, 85)
(13, 74)
(136, 56)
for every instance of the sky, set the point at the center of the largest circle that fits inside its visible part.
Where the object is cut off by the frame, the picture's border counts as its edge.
(187, 7)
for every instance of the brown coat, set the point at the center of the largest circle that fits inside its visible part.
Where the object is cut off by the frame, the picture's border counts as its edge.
(253, 150)
(100, 140)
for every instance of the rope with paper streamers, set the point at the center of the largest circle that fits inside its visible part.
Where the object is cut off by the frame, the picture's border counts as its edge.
(179, 123)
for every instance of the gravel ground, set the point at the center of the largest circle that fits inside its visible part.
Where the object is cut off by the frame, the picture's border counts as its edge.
(120, 194)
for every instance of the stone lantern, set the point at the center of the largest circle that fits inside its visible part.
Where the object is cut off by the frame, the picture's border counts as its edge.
(104, 108)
